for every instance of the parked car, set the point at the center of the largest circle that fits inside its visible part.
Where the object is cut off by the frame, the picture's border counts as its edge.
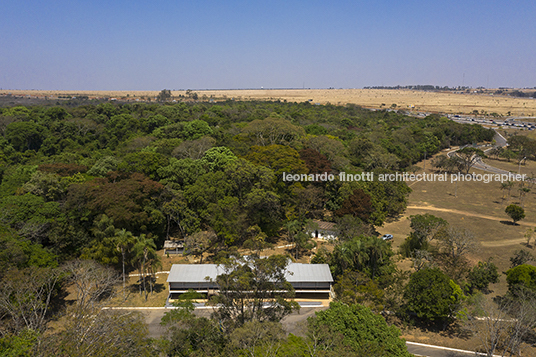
(387, 237)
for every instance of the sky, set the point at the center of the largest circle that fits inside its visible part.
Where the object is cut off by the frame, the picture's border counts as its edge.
(233, 44)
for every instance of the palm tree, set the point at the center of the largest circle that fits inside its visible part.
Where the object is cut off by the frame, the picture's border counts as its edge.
(377, 250)
(144, 251)
(153, 264)
(123, 240)
(292, 228)
(507, 186)
(522, 193)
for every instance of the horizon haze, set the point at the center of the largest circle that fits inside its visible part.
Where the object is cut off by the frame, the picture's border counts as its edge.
(137, 45)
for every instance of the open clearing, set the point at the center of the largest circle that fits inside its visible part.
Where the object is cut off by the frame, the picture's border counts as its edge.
(477, 207)
(433, 102)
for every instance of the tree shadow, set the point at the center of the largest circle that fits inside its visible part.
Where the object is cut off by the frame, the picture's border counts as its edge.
(442, 328)
(159, 287)
(509, 223)
(135, 288)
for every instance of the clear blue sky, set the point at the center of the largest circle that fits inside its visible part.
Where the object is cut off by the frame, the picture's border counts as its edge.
(205, 44)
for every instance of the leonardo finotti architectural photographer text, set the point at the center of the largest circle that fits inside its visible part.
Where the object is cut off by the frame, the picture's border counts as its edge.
(404, 176)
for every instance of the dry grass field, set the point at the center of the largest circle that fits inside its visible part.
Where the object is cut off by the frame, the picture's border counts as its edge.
(433, 102)
(477, 207)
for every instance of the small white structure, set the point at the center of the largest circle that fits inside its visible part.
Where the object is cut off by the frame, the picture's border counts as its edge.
(323, 230)
(173, 247)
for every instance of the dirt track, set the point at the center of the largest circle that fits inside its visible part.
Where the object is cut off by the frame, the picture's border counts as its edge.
(497, 243)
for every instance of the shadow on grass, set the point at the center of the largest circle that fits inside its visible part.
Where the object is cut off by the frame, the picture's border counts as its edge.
(453, 329)
(509, 223)
(135, 288)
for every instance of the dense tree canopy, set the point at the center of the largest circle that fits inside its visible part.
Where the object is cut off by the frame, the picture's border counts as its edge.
(110, 181)
(364, 332)
(431, 295)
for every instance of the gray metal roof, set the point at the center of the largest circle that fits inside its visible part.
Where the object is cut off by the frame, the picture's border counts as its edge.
(297, 272)
(192, 273)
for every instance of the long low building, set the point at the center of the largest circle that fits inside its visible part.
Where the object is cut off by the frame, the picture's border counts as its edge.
(308, 280)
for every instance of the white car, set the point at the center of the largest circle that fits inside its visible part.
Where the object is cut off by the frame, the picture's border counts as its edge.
(387, 237)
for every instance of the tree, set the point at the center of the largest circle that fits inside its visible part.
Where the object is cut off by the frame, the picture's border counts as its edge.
(258, 338)
(30, 215)
(124, 241)
(332, 147)
(146, 258)
(426, 227)
(310, 202)
(522, 193)
(149, 124)
(358, 204)
(483, 274)
(521, 277)
(22, 344)
(26, 297)
(273, 130)
(103, 166)
(100, 333)
(198, 243)
(145, 162)
(455, 243)
(529, 234)
(515, 212)
(129, 199)
(121, 126)
(194, 149)
(25, 135)
(278, 158)
(178, 212)
(187, 334)
(164, 95)
(369, 255)
(502, 326)
(253, 289)
(293, 228)
(302, 242)
(507, 186)
(315, 161)
(356, 288)
(365, 333)
(430, 295)
(17, 252)
(196, 129)
(183, 172)
(263, 209)
(508, 154)
(218, 157)
(92, 282)
(469, 157)
(521, 257)
(46, 185)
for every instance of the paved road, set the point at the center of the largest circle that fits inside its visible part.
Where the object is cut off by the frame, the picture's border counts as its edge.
(479, 164)
(419, 349)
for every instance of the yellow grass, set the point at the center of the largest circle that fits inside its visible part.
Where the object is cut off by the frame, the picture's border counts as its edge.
(441, 102)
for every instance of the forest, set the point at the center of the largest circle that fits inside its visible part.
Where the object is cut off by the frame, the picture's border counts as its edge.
(95, 188)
